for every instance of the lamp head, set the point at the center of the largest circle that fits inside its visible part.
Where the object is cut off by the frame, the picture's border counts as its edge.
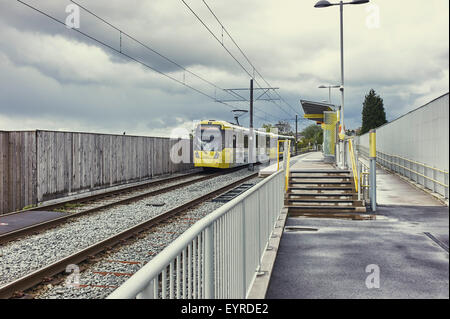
(322, 4)
(359, 1)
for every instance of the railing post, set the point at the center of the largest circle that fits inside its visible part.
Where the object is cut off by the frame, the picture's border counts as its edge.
(373, 169)
(446, 183)
(209, 262)
(259, 232)
(278, 155)
(244, 260)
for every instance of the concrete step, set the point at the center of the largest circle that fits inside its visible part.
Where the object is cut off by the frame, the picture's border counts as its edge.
(319, 188)
(349, 215)
(316, 201)
(324, 209)
(320, 182)
(320, 171)
(320, 195)
(321, 177)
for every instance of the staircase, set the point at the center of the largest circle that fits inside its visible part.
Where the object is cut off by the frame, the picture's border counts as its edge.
(323, 193)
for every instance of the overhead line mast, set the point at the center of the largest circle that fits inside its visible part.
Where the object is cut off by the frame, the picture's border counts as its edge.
(228, 51)
(245, 56)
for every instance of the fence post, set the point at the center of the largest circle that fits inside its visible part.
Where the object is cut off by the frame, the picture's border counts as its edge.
(244, 261)
(373, 169)
(209, 262)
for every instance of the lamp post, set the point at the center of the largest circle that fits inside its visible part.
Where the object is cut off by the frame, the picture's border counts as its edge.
(324, 4)
(329, 87)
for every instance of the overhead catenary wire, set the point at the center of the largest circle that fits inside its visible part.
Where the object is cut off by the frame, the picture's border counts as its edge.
(146, 46)
(227, 50)
(244, 55)
(163, 56)
(121, 52)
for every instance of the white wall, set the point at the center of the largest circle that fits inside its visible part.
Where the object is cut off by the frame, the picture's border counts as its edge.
(421, 135)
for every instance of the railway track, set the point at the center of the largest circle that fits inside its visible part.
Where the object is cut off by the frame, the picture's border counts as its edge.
(16, 287)
(83, 206)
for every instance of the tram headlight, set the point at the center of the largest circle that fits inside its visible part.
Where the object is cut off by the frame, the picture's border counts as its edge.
(216, 155)
(196, 155)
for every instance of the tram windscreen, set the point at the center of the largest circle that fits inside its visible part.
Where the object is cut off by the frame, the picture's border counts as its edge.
(209, 138)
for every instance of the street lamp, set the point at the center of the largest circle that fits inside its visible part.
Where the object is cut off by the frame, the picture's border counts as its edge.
(329, 87)
(324, 4)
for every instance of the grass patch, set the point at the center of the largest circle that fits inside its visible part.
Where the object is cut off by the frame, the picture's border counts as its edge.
(67, 207)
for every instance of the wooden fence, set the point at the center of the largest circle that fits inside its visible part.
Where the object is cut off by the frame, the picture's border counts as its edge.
(37, 166)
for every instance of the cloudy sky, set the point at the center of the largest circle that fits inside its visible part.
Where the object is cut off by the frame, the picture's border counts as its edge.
(52, 77)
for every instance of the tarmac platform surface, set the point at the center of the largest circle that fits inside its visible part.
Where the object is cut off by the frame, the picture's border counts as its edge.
(408, 243)
(12, 222)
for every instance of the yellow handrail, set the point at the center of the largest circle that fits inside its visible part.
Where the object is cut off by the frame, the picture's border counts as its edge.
(278, 153)
(287, 165)
(352, 156)
(288, 159)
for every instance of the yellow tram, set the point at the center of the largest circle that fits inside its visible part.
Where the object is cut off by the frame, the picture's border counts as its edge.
(219, 144)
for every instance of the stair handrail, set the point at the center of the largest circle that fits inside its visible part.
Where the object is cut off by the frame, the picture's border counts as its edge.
(354, 168)
(287, 165)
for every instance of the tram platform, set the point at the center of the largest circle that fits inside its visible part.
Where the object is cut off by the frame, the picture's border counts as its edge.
(272, 168)
(405, 247)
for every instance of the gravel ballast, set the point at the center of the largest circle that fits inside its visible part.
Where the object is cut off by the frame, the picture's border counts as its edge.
(28, 254)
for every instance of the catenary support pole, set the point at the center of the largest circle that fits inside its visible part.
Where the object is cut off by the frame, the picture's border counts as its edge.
(296, 133)
(251, 145)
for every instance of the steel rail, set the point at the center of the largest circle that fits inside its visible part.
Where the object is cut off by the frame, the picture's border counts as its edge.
(103, 194)
(33, 229)
(34, 278)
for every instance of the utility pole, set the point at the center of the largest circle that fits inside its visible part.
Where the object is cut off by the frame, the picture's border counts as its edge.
(296, 116)
(251, 103)
(251, 141)
(238, 97)
(324, 4)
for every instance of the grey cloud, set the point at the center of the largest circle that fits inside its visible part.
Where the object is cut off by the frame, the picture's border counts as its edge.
(293, 45)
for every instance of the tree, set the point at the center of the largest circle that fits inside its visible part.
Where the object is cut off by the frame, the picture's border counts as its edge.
(312, 131)
(284, 128)
(313, 134)
(267, 127)
(373, 114)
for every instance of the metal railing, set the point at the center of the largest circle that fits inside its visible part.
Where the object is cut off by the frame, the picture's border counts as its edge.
(286, 159)
(219, 256)
(360, 170)
(433, 178)
(354, 166)
(287, 165)
(364, 181)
